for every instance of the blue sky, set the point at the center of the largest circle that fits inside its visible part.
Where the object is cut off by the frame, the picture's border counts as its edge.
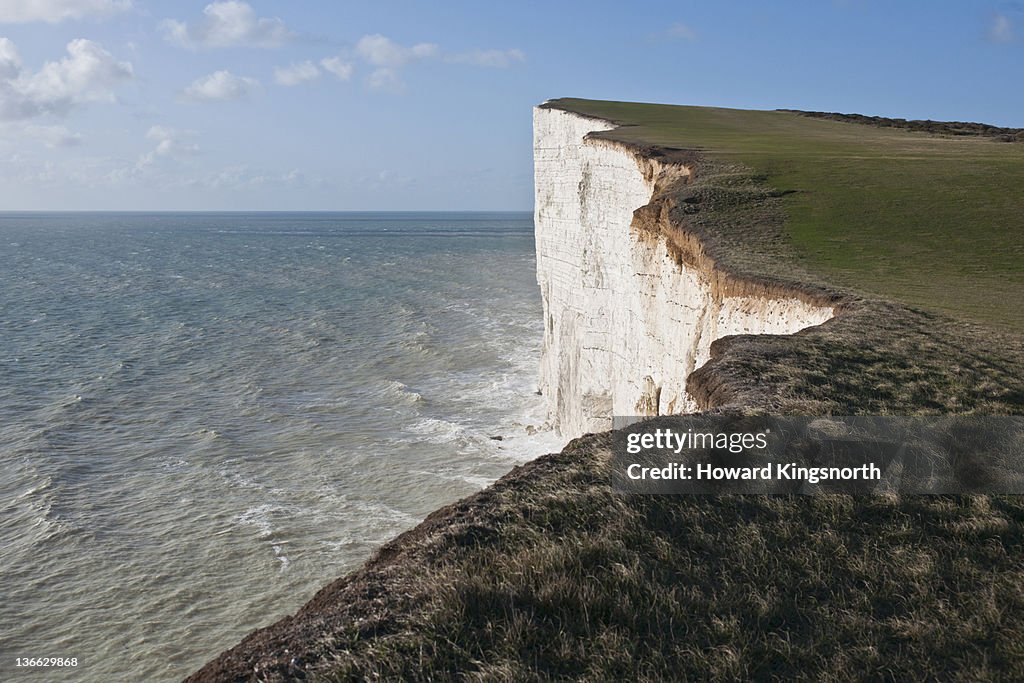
(266, 105)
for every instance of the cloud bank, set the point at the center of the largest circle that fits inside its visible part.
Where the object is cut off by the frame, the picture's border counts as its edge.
(229, 23)
(53, 11)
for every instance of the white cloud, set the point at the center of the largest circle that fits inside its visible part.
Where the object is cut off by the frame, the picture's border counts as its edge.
(244, 177)
(296, 74)
(497, 59)
(228, 23)
(389, 57)
(53, 11)
(681, 31)
(338, 66)
(51, 136)
(10, 60)
(171, 142)
(221, 86)
(383, 52)
(88, 74)
(385, 79)
(1001, 29)
(54, 136)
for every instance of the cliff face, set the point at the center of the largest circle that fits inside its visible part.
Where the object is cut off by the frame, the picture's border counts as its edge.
(626, 319)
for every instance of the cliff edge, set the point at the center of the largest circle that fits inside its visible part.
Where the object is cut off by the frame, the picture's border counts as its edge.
(632, 303)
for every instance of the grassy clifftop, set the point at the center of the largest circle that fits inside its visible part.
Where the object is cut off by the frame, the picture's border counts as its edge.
(932, 219)
(550, 575)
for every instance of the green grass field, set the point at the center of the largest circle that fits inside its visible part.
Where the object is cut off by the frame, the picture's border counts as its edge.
(933, 221)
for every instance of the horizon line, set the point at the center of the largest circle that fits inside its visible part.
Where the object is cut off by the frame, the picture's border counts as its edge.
(139, 211)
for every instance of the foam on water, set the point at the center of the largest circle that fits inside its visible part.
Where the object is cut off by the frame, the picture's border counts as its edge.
(204, 418)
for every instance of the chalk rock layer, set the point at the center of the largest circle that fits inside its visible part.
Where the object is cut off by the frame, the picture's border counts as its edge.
(625, 322)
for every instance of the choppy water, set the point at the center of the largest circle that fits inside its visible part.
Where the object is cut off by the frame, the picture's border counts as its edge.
(206, 417)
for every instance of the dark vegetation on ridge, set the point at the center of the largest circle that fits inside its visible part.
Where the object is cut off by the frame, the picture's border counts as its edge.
(550, 575)
(1001, 134)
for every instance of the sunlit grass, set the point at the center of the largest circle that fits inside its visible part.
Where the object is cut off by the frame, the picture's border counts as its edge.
(933, 221)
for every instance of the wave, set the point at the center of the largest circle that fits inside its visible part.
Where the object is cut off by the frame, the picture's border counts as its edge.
(398, 393)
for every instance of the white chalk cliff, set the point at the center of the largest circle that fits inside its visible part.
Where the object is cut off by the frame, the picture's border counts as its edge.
(625, 322)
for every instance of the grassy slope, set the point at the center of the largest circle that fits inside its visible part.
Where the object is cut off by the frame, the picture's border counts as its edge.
(550, 575)
(937, 222)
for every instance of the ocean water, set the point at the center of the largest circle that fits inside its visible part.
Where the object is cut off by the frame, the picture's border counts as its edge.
(206, 417)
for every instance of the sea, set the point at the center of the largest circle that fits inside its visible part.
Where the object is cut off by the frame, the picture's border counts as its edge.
(206, 417)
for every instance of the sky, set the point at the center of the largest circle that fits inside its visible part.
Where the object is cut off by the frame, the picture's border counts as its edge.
(415, 105)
